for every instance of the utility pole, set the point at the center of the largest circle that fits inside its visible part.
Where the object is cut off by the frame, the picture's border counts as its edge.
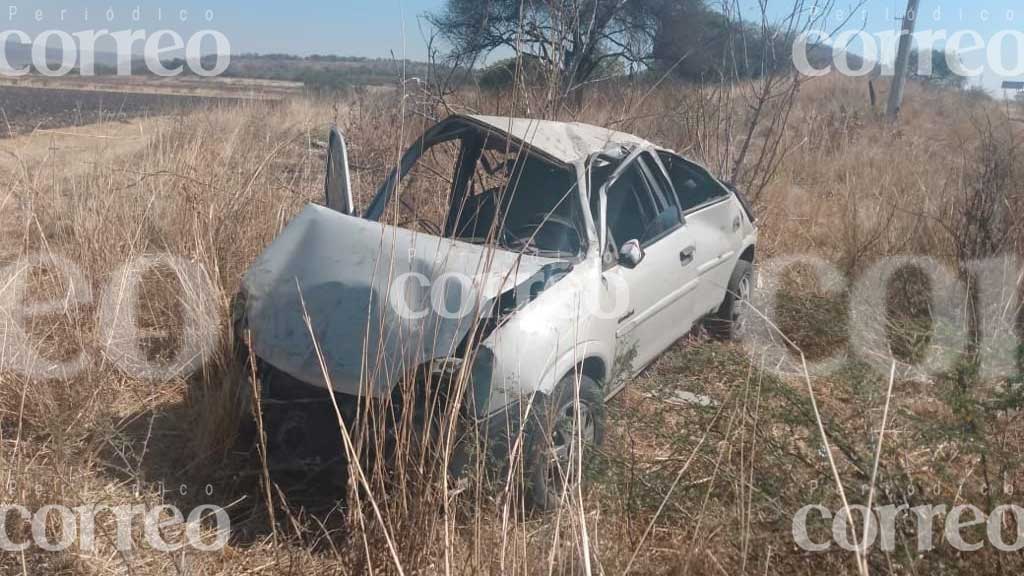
(902, 60)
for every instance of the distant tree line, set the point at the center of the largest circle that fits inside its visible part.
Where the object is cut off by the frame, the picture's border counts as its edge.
(325, 72)
(938, 72)
(580, 41)
(583, 41)
(568, 44)
(318, 72)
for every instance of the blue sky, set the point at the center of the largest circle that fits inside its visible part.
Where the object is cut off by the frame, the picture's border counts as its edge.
(371, 28)
(988, 18)
(376, 28)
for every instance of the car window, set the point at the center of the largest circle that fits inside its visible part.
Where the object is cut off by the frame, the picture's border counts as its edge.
(641, 205)
(482, 187)
(519, 200)
(658, 206)
(630, 206)
(694, 187)
(664, 194)
(420, 201)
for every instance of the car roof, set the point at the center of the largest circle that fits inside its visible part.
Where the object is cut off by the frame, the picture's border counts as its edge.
(567, 142)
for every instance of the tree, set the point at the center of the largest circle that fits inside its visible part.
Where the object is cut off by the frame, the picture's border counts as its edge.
(937, 69)
(572, 40)
(697, 43)
(503, 73)
(743, 61)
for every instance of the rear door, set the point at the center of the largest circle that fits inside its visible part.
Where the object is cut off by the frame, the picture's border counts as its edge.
(660, 309)
(715, 219)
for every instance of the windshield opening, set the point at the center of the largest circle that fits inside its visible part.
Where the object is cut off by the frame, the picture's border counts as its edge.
(485, 188)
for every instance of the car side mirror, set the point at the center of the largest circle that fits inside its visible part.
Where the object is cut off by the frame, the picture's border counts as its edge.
(631, 254)
(337, 185)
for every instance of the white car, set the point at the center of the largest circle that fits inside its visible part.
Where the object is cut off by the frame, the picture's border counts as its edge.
(516, 260)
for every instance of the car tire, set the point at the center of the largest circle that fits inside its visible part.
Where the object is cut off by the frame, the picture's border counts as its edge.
(730, 322)
(549, 454)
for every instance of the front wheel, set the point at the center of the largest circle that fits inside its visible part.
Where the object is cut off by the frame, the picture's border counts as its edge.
(730, 322)
(570, 418)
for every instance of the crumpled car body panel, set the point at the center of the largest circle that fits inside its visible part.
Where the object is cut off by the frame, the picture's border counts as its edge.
(339, 271)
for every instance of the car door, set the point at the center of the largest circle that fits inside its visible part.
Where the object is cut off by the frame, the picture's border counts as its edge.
(659, 309)
(715, 219)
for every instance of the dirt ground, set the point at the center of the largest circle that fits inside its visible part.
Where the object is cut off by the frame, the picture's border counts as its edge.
(24, 110)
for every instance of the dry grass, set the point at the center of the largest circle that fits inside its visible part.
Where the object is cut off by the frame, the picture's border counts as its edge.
(676, 489)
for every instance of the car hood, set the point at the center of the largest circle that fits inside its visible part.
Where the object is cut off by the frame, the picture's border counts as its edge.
(381, 300)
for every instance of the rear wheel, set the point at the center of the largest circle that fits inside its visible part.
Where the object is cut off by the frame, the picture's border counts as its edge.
(730, 322)
(568, 420)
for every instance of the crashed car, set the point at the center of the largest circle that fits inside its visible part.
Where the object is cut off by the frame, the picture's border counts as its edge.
(538, 263)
